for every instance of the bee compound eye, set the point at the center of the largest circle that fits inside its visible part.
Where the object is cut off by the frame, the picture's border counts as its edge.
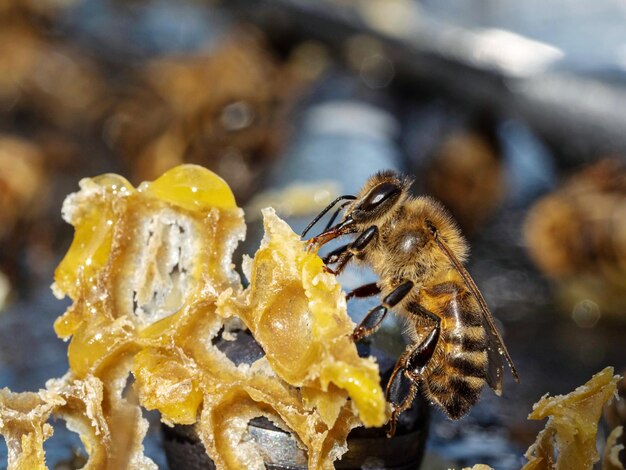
(378, 195)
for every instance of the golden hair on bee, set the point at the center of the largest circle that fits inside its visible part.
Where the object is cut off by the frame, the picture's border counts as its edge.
(448, 230)
(425, 208)
(417, 250)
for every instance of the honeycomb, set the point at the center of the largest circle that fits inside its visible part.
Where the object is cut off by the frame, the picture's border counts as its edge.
(152, 285)
(569, 439)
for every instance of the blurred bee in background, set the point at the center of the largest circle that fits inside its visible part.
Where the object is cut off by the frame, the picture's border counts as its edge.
(22, 191)
(577, 236)
(224, 109)
(417, 251)
(43, 77)
(467, 176)
(461, 159)
(21, 182)
(51, 98)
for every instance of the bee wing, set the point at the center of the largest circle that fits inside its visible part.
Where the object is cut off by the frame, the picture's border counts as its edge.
(495, 347)
(494, 356)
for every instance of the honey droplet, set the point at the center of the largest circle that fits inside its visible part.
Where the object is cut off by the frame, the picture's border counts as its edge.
(192, 187)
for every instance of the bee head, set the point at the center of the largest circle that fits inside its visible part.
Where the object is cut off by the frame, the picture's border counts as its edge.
(379, 196)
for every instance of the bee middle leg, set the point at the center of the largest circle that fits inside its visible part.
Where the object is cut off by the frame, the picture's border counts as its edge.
(375, 316)
(367, 290)
(405, 379)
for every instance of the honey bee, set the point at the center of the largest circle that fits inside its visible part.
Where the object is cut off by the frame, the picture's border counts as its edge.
(224, 108)
(417, 251)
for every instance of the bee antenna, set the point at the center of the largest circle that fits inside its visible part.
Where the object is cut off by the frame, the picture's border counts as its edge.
(329, 207)
(332, 219)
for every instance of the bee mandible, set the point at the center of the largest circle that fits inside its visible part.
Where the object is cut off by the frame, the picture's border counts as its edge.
(417, 251)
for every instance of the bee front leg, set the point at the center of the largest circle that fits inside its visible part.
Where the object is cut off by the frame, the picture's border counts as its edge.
(344, 254)
(375, 316)
(341, 256)
(335, 255)
(405, 379)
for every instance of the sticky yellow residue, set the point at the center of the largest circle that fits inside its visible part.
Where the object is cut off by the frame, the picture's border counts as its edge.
(93, 224)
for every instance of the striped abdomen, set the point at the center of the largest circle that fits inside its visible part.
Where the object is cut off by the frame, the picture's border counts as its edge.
(457, 373)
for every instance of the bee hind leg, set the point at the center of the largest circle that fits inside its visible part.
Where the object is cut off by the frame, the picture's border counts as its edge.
(401, 391)
(405, 379)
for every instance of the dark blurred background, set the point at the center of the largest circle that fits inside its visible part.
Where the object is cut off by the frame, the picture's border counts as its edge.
(510, 112)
